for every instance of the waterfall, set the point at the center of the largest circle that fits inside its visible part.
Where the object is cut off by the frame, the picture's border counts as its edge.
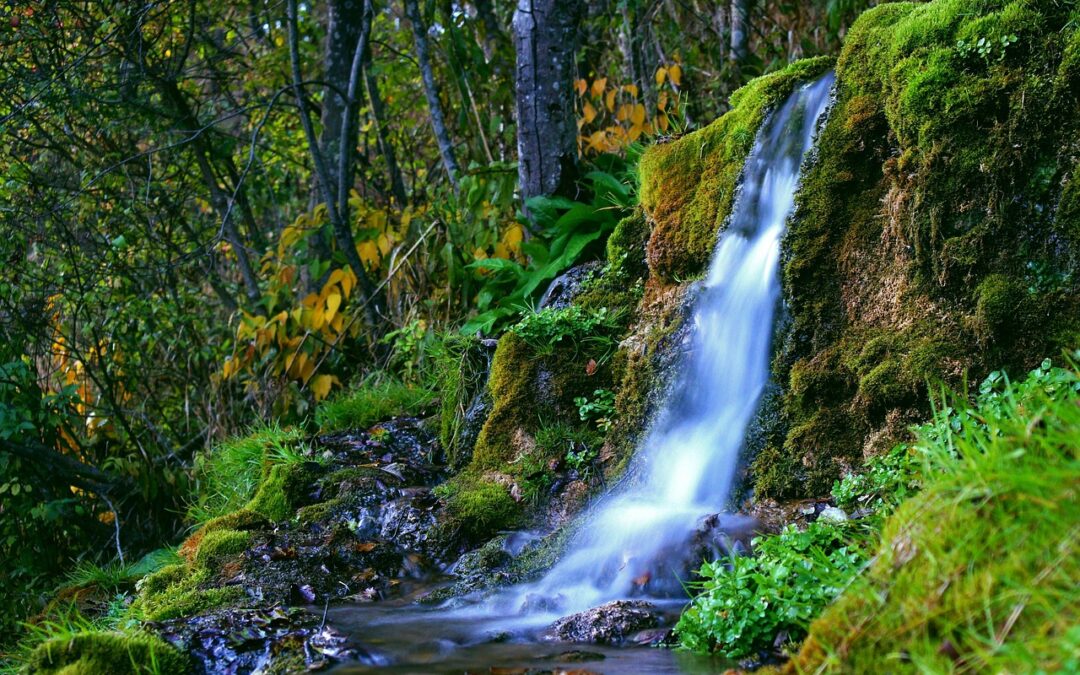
(683, 471)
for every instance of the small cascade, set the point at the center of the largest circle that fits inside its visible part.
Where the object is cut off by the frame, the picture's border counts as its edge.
(636, 537)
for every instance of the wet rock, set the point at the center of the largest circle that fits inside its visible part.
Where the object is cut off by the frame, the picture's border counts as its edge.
(578, 656)
(241, 641)
(607, 624)
(833, 515)
(653, 637)
(408, 521)
(564, 288)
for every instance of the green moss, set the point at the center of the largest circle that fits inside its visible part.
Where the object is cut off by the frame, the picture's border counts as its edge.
(999, 297)
(181, 591)
(94, 653)
(926, 244)
(476, 508)
(220, 545)
(374, 400)
(511, 384)
(283, 489)
(688, 185)
(243, 520)
(978, 571)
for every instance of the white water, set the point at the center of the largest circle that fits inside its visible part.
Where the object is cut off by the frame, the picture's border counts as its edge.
(684, 469)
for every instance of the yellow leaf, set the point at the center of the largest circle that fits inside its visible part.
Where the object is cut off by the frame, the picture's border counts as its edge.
(624, 112)
(320, 386)
(662, 100)
(675, 73)
(306, 369)
(588, 112)
(310, 300)
(479, 254)
(369, 254)
(338, 323)
(632, 88)
(296, 365)
(609, 101)
(661, 74)
(348, 282)
(316, 318)
(333, 301)
(501, 251)
(580, 86)
(384, 244)
(598, 86)
(335, 276)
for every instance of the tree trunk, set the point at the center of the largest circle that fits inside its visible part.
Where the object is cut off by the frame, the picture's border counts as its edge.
(740, 30)
(545, 35)
(345, 23)
(431, 91)
(338, 210)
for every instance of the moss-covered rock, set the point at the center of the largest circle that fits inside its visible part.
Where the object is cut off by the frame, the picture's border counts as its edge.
(688, 186)
(283, 489)
(94, 653)
(935, 227)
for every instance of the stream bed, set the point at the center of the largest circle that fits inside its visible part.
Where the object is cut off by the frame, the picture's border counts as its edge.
(402, 637)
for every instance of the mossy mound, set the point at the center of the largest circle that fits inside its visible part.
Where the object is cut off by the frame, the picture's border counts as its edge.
(688, 186)
(94, 653)
(936, 231)
(977, 573)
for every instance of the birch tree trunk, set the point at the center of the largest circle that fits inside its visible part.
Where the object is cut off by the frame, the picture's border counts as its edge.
(545, 36)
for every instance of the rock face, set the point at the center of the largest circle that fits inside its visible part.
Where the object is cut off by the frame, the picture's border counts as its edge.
(612, 623)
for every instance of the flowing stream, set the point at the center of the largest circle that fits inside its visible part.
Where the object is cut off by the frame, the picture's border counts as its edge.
(647, 532)
(684, 469)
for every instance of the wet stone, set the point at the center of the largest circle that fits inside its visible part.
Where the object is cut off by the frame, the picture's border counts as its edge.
(242, 641)
(612, 623)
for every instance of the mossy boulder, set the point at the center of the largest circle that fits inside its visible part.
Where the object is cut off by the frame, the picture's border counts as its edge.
(935, 231)
(94, 653)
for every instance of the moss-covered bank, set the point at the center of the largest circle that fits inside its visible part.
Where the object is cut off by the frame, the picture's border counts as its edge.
(936, 232)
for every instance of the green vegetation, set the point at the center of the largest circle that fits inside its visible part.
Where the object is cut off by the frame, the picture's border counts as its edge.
(374, 400)
(92, 653)
(975, 549)
(590, 331)
(929, 242)
(568, 229)
(745, 602)
(460, 365)
(228, 475)
(978, 570)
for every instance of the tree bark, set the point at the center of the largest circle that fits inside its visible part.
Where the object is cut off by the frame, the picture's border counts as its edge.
(337, 210)
(546, 37)
(431, 91)
(740, 30)
(346, 23)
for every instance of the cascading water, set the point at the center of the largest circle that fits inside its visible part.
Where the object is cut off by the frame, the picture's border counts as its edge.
(684, 469)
